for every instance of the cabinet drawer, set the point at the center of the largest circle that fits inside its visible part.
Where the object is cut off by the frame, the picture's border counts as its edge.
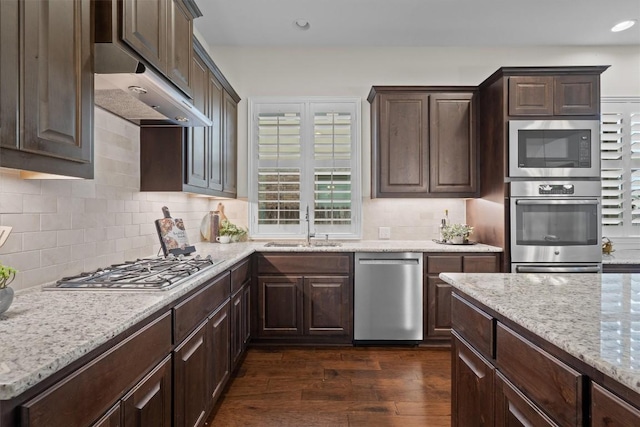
(240, 273)
(104, 380)
(607, 409)
(473, 325)
(513, 408)
(549, 383)
(313, 263)
(442, 263)
(480, 264)
(192, 311)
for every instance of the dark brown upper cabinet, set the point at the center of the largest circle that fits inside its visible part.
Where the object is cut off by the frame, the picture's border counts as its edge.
(46, 107)
(161, 32)
(423, 141)
(198, 160)
(564, 95)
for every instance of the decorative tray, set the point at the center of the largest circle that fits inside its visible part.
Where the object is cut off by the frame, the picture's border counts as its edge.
(469, 242)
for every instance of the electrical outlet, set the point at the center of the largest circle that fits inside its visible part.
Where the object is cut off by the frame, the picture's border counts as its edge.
(384, 232)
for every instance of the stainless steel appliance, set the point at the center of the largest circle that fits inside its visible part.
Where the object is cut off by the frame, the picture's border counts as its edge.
(554, 148)
(152, 274)
(388, 297)
(556, 224)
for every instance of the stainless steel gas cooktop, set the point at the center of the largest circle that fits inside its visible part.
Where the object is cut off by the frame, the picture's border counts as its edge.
(147, 274)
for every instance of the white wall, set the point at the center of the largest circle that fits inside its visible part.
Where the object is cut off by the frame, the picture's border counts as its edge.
(258, 71)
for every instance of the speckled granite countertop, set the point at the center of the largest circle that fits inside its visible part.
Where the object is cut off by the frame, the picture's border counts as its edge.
(44, 331)
(593, 317)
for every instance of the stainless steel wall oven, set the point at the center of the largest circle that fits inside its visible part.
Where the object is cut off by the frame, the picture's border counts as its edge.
(555, 226)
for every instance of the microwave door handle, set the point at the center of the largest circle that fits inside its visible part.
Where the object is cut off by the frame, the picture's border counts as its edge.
(557, 202)
(532, 269)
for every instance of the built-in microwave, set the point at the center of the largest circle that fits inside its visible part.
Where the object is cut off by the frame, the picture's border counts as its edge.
(554, 148)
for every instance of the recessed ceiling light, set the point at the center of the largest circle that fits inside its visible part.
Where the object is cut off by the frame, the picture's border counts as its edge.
(624, 25)
(302, 24)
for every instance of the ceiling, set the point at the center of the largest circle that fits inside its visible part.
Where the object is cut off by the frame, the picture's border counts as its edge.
(418, 22)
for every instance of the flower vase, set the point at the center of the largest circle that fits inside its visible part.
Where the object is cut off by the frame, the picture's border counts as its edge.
(6, 298)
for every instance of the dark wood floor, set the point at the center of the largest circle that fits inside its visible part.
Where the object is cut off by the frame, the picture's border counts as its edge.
(346, 386)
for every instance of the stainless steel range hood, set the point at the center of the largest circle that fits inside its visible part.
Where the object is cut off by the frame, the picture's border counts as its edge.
(128, 87)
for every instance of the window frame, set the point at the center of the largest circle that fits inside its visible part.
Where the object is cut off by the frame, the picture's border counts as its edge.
(307, 165)
(622, 235)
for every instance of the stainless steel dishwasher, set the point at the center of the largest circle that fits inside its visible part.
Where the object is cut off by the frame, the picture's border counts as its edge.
(388, 297)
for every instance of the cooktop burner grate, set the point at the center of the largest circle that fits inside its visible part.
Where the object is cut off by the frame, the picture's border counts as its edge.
(143, 274)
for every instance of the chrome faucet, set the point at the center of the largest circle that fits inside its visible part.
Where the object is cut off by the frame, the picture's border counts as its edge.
(309, 234)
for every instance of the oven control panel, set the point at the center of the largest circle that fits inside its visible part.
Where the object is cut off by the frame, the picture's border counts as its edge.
(556, 189)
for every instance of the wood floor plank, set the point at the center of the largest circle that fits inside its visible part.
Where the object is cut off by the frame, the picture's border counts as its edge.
(342, 386)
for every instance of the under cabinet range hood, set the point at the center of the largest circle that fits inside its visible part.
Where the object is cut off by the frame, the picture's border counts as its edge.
(126, 86)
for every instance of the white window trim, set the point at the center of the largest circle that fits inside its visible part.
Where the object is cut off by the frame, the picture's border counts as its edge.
(622, 236)
(356, 171)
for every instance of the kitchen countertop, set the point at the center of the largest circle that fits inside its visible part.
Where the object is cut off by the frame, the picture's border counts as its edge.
(622, 256)
(590, 316)
(44, 331)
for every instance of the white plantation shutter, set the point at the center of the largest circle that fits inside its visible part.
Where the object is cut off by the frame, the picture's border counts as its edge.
(620, 154)
(304, 153)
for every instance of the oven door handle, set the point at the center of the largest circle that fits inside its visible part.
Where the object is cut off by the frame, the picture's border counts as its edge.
(565, 269)
(557, 202)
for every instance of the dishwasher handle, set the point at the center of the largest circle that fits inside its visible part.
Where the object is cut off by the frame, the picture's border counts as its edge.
(397, 261)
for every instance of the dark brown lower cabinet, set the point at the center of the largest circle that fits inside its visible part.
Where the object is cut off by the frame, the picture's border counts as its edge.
(513, 409)
(472, 387)
(219, 351)
(111, 418)
(305, 307)
(607, 409)
(191, 396)
(326, 305)
(437, 293)
(240, 327)
(149, 403)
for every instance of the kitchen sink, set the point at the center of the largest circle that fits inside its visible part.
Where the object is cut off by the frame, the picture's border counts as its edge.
(302, 244)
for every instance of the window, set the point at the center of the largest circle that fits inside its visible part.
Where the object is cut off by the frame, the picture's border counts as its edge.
(620, 154)
(304, 154)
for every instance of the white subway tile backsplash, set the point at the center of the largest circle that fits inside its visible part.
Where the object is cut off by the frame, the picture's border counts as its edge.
(70, 237)
(11, 203)
(21, 222)
(83, 251)
(12, 244)
(39, 240)
(71, 205)
(55, 221)
(83, 189)
(53, 257)
(35, 203)
(56, 187)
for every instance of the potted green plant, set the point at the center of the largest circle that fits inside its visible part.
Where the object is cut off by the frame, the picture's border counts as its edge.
(457, 233)
(227, 228)
(7, 274)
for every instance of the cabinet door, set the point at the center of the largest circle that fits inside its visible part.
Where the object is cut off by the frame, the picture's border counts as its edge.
(327, 302)
(216, 161)
(472, 387)
(180, 46)
(145, 29)
(191, 395)
(9, 67)
(438, 308)
(576, 95)
(279, 306)
(608, 409)
(452, 143)
(513, 409)
(219, 351)
(198, 137)
(246, 313)
(149, 403)
(402, 163)
(531, 96)
(237, 324)
(230, 145)
(111, 419)
(57, 89)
